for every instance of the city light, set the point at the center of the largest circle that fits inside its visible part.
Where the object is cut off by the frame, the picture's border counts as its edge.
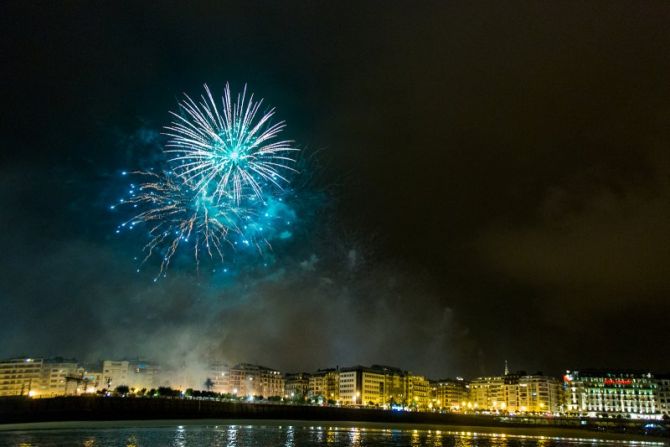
(592, 393)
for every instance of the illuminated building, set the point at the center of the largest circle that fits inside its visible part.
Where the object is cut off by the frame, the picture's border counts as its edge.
(325, 383)
(372, 387)
(534, 393)
(91, 382)
(296, 385)
(419, 392)
(350, 388)
(396, 387)
(360, 385)
(598, 393)
(515, 393)
(219, 374)
(59, 377)
(20, 377)
(378, 385)
(255, 380)
(663, 394)
(449, 394)
(486, 394)
(143, 374)
(115, 373)
(383, 386)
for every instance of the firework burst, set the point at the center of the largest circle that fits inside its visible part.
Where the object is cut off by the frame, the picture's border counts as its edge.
(225, 184)
(228, 151)
(175, 215)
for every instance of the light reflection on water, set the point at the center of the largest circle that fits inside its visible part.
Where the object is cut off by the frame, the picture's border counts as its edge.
(288, 435)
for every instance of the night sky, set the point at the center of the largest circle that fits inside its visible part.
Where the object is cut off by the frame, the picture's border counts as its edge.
(492, 183)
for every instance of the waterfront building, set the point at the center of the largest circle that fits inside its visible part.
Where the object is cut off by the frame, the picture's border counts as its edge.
(350, 389)
(449, 394)
(20, 377)
(419, 392)
(372, 387)
(360, 385)
(143, 374)
(599, 393)
(377, 385)
(296, 385)
(59, 377)
(219, 374)
(535, 393)
(383, 386)
(515, 393)
(663, 394)
(486, 394)
(115, 373)
(325, 384)
(250, 380)
(396, 387)
(91, 382)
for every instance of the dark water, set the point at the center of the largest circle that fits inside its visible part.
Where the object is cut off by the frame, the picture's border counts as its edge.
(286, 434)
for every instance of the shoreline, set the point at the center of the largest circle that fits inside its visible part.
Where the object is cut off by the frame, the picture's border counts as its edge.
(110, 410)
(509, 432)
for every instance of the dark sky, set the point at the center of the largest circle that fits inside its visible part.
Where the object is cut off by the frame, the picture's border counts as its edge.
(497, 173)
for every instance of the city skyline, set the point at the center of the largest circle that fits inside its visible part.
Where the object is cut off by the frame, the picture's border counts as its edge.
(594, 393)
(204, 364)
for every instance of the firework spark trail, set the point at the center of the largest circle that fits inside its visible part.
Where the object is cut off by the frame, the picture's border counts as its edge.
(175, 214)
(228, 153)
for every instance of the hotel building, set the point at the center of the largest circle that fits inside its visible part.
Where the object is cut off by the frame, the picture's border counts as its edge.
(598, 393)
